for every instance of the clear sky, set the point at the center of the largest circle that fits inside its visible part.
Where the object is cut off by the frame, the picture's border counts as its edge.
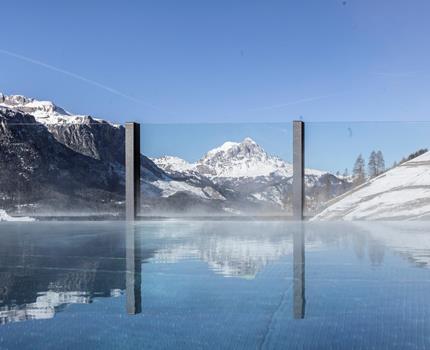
(222, 61)
(197, 60)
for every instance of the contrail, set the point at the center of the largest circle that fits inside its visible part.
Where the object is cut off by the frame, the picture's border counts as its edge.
(78, 77)
(296, 102)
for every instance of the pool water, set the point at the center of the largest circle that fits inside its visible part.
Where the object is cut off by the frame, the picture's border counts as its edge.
(214, 285)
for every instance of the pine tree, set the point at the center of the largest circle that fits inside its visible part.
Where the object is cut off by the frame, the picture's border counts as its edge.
(359, 173)
(372, 165)
(345, 173)
(380, 163)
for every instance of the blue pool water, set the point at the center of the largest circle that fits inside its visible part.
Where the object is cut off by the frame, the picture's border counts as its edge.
(217, 285)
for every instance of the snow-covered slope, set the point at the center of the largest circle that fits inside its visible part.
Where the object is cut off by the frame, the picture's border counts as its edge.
(45, 112)
(173, 164)
(400, 193)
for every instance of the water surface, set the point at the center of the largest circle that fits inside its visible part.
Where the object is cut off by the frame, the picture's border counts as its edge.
(209, 284)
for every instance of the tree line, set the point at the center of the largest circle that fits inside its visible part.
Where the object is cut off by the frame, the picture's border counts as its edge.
(375, 166)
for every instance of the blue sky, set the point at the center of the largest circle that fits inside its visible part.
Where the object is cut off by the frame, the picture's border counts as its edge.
(223, 61)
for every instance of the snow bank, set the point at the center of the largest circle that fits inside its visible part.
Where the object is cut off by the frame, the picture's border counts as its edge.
(5, 217)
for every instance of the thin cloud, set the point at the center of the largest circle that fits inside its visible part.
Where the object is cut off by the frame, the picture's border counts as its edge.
(78, 77)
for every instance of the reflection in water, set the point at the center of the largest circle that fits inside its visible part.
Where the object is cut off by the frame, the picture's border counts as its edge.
(44, 267)
(133, 271)
(299, 272)
(231, 249)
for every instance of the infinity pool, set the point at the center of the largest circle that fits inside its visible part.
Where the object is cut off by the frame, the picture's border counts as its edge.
(217, 285)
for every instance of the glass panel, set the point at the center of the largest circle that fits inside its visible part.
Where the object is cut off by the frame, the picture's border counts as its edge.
(366, 161)
(51, 170)
(216, 169)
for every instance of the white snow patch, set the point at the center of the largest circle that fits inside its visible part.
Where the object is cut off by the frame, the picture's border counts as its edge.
(5, 217)
(169, 188)
(171, 163)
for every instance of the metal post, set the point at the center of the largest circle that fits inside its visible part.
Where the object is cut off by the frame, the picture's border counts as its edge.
(299, 301)
(132, 170)
(133, 277)
(298, 169)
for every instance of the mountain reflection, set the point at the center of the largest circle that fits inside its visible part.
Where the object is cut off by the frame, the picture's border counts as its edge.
(232, 249)
(45, 267)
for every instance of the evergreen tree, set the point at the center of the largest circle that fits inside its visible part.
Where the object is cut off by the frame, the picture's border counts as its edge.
(380, 163)
(372, 165)
(345, 173)
(359, 173)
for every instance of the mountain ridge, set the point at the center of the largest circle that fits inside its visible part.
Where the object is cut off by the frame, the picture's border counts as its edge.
(235, 178)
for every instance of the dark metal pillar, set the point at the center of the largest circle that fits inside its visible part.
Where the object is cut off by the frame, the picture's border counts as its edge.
(298, 169)
(132, 170)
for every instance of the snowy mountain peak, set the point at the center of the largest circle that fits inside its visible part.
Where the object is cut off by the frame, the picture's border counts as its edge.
(30, 105)
(244, 159)
(45, 112)
(247, 149)
(231, 159)
(248, 140)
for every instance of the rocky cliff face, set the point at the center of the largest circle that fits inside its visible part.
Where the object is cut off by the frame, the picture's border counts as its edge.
(40, 174)
(77, 167)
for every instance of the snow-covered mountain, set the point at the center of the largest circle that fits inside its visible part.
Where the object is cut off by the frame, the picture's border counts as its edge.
(246, 170)
(399, 194)
(244, 159)
(46, 150)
